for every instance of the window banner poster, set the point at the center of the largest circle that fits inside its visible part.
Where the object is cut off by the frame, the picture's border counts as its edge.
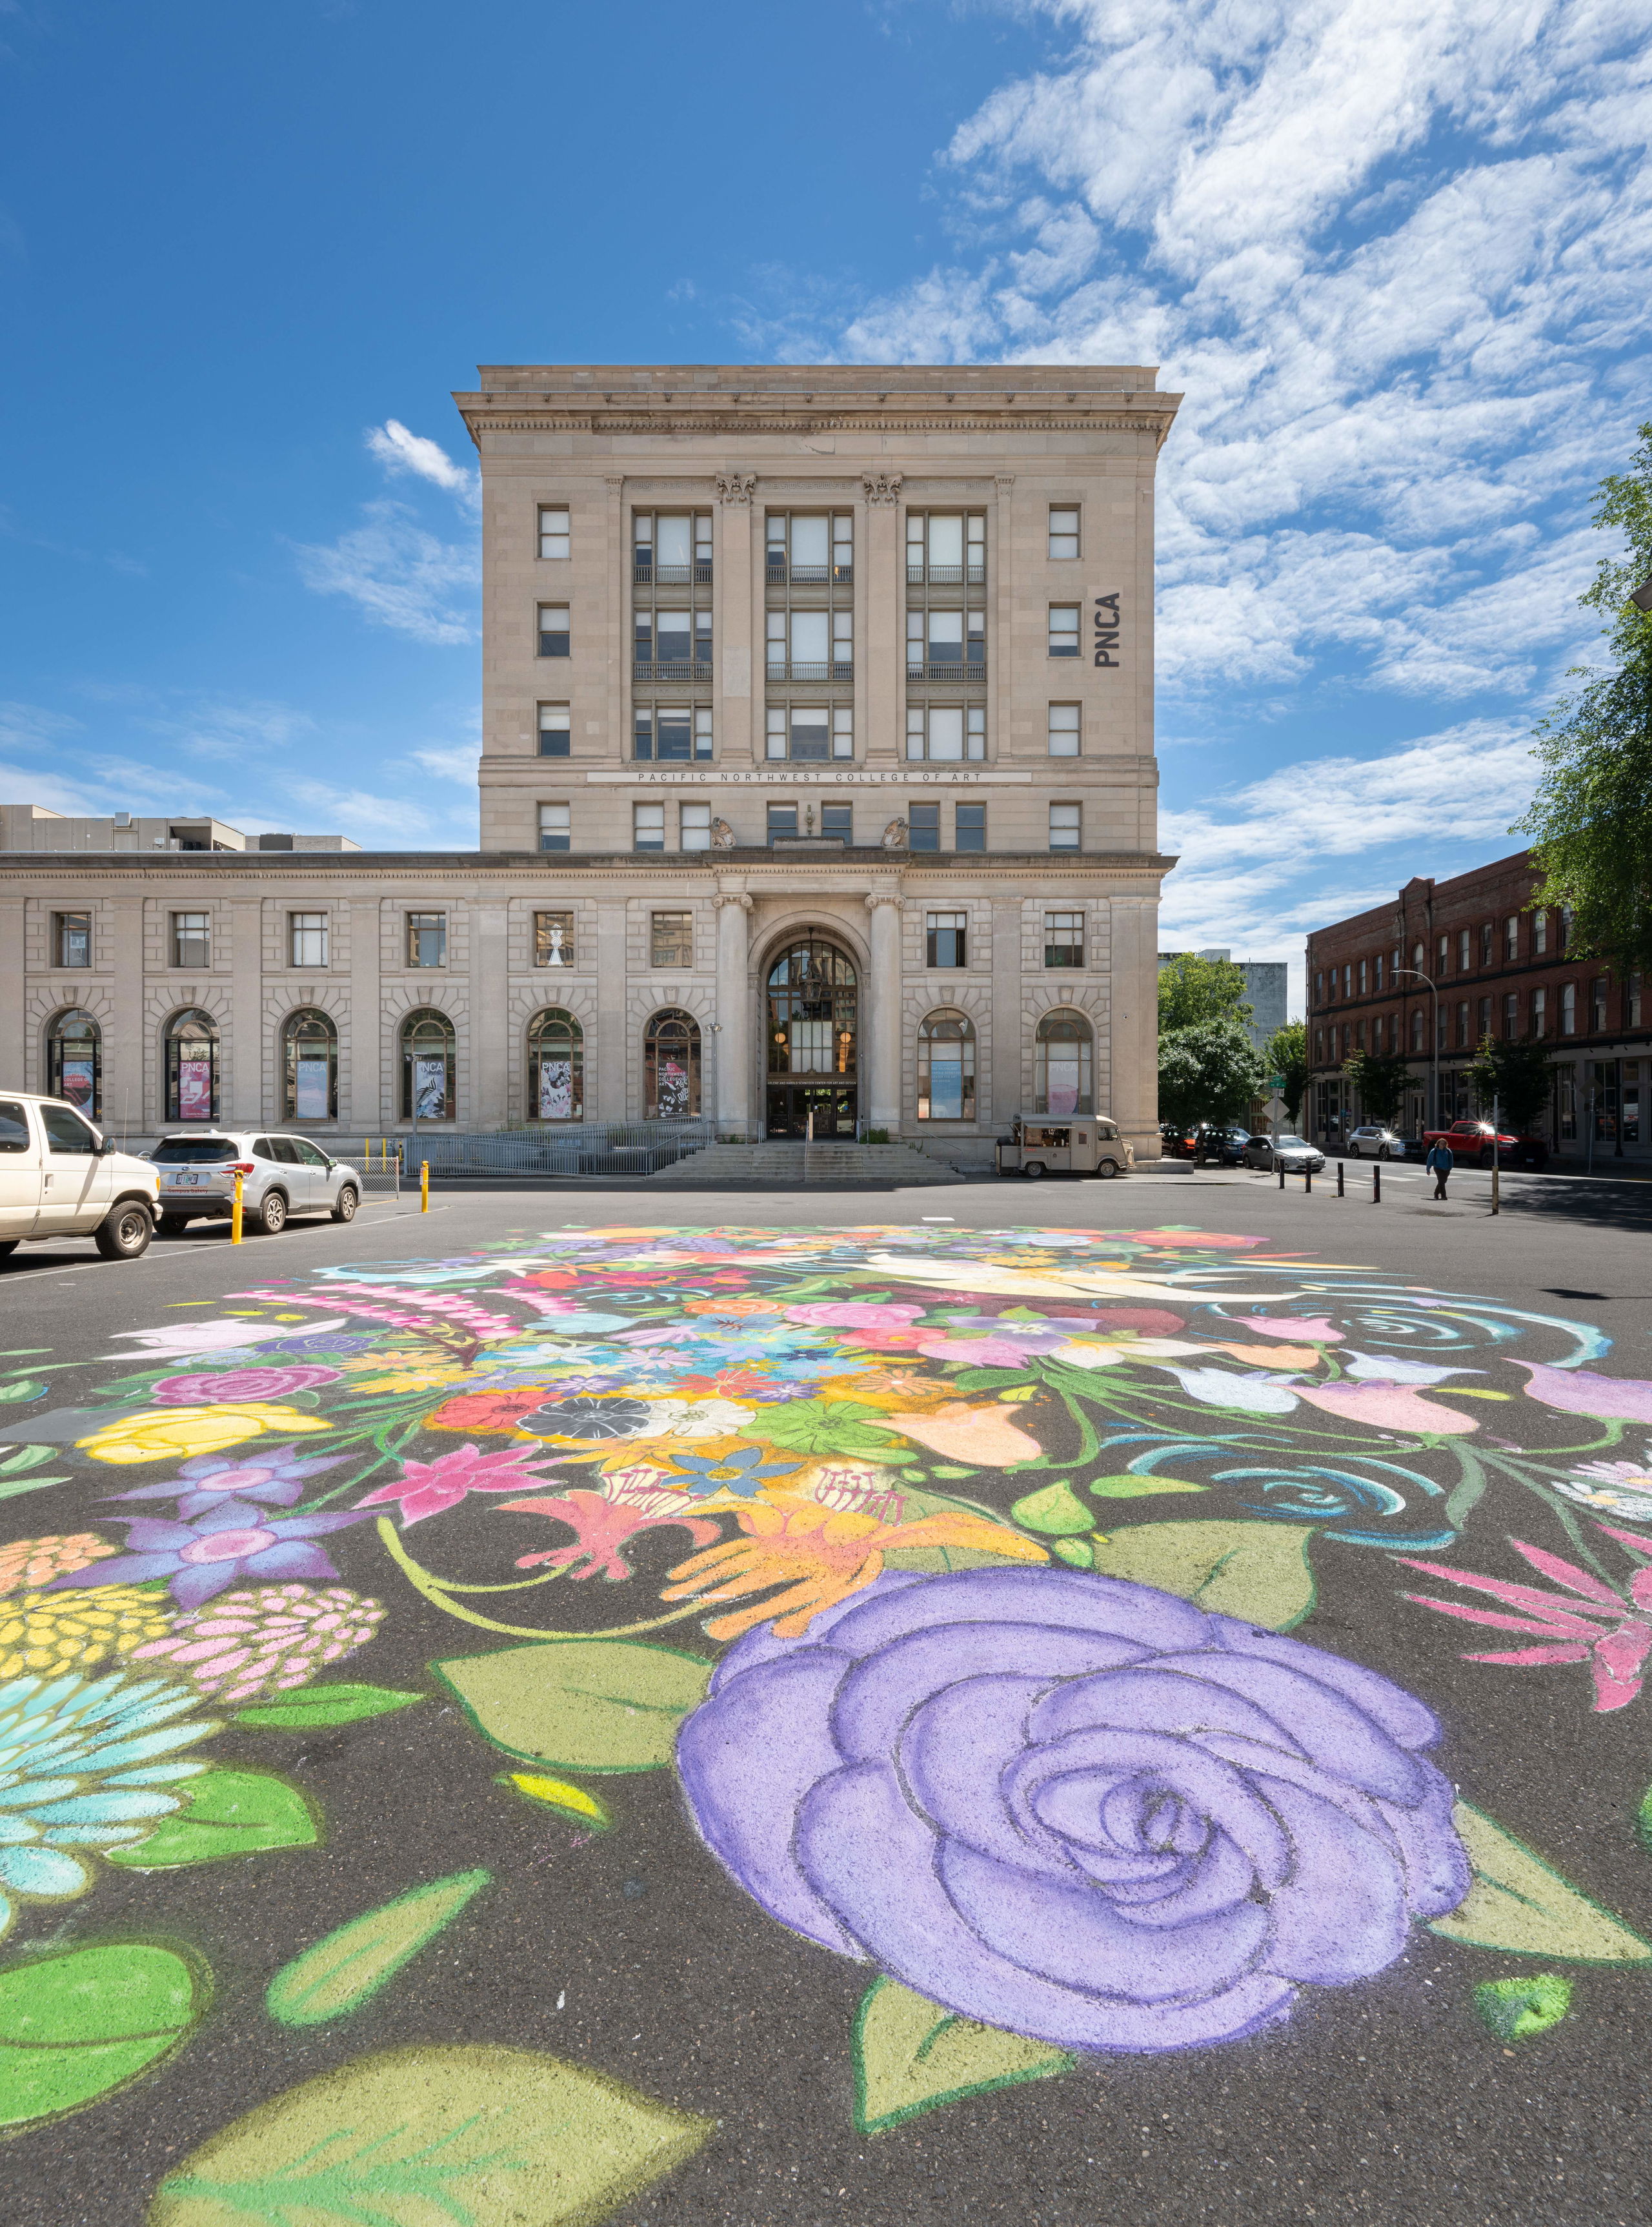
(195, 1090)
(77, 1083)
(430, 1089)
(945, 1090)
(312, 1095)
(556, 1090)
(673, 1090)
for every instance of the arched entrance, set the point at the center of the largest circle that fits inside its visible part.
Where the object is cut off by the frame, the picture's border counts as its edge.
(813, 1038)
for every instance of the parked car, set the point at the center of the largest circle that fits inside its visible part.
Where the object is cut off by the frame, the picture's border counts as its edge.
(1471, 1145)
(1222, 1141)
(1176, 1139)
(1295, 1154)
(1376, 1141)
(60, 1177)
(281, 1175)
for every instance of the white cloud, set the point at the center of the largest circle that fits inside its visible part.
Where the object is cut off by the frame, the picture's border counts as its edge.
(458, 763)
(399, 575)
(398, 450)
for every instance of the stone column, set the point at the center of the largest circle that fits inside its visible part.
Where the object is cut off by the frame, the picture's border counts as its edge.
(490, 1032)
(881, 1020)
(734, 608)
(732, 1111)
(883, 562)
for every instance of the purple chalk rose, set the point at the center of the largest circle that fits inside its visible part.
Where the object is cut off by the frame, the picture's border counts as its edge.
(1079, 1809)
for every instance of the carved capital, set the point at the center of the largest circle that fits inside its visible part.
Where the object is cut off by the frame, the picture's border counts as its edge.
(883, 489)
(882, 897)
(732, 897)
(736, 487)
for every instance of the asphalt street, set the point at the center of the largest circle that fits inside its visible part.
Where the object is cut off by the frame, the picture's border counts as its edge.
(623, 1948)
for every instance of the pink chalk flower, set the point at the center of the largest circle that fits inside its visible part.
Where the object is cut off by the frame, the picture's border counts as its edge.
(1316, 1328)
(851, 1314)
(1588, 1622)
(982, 1436)
(246, 1646)
(431, 1488)
(1389, 1406)
(1581, 1392)
(238, 1384)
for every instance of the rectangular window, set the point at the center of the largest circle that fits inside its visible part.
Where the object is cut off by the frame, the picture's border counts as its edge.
(555, 830)
(555, 733)
(783, 823)
(1484, 1030)
(1569, 1010)
(1063, 938)
(191, 940)
(553, 532)
(671, 547)
(1488, 936)
(1064, 731)
(810, 548)
(1597, 1002)
(1540, 934)
(1634, 1001)
(1066, 827)
(1359, 1032)
(1376, 967)
(1566, 1093)
(838, 819)
(1363, 978)
(694, 827)
(1462, 951)
(1418, 1023)
(1442, 1025)
(647, 826)
(1540, 1013)
(969, 828)
(1511, 937)
(306, 939)
(1319, 1045)
(1511, 1015)
(71, 938)
(946, 732)
(945, 547)
(1347, 979)
(553, 630)
(1376, 1035)
(1319, 987)
(427, 938)
(553, 939)
(672, 733)
(1444, 965)
(809, 733)
(1063, 629)
(923, 826)
(1063, 531)
(671, 940)
(945, 935)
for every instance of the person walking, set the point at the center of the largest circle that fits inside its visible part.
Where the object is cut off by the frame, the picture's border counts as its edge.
(1440, 1162)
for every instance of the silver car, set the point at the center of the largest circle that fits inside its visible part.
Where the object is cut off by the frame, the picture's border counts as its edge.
(1295, 1154)
(280, 1176)
(1376, 1141)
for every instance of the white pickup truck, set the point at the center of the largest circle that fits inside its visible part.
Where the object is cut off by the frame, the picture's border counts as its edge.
(61, 1178)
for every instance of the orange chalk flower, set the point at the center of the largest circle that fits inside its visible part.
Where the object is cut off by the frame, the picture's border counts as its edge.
(36, 1562)
(820, 1558)
(982, 1436)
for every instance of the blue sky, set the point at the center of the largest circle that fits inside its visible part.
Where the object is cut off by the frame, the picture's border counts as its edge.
(1396, 252)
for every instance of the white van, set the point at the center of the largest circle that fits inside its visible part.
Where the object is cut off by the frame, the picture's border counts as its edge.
(61, 1178)
(1084, 1144)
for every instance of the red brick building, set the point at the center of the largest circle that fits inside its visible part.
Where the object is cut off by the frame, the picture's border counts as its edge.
(1495, 969)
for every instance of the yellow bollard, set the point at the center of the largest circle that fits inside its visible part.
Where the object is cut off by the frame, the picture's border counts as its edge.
(235, 1211)
(423, 1186)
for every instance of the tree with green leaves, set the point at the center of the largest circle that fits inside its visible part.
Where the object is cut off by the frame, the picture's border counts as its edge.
(1192, 990)
(1287, 1057)
(1381, 1079)
(1208, 1072)
(1517, 1077)
(1590, 820)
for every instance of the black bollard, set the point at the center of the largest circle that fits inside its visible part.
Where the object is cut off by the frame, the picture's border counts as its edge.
(1339, 1179)
(1377, 1185)
(1281, 1175)
(1307, 1181)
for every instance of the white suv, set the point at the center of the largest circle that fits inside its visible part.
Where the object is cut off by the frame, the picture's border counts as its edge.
(61, 1178)
(281, 1175)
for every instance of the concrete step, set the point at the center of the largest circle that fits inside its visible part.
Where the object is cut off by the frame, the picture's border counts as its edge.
(788, 1160)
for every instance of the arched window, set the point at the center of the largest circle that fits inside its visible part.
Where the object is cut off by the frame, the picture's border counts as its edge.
(308, 1067)
(947, 1067)
(192, 1066)
(74, 1062)
(556, 1067)
(427, 1067)
(670, 1067)
(1063, 1075)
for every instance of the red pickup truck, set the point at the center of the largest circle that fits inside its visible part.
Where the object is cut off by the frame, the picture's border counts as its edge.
(1471, 1144)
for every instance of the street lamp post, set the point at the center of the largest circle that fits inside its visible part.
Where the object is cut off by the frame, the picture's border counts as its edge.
(1434, 1063)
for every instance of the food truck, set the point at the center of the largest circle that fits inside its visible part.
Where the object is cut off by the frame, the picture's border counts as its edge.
(1082, 1144)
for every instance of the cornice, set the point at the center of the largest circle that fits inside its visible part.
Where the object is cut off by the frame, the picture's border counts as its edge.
(1146, 412)
(21, 867)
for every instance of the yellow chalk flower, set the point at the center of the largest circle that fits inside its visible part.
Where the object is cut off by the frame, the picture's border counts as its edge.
(177, 1434)
(44, 1633)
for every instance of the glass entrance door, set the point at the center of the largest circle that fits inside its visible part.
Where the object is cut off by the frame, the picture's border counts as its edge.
(812, 1008)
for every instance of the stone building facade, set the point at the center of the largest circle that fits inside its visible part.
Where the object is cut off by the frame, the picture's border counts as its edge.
(1447, 964)
(818, 777)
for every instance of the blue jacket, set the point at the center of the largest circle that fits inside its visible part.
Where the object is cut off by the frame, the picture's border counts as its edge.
(1441, 1160)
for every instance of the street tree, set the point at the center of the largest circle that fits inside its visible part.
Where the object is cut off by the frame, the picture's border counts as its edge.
(1516, 1076)
(1287, 1057)
(1192, 990)
(1381, 1079)
(1591, 819)
(1208, 1072)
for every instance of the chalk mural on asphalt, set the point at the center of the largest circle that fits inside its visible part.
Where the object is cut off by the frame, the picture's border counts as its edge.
(949, 1691)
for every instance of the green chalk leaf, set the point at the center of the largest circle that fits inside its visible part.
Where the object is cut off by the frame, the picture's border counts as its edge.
(313, 1706)
(355, 1960)
(1080, 1553)
(25, 1389)
(1644, 1820)
(1258, 1571)
(81, 2022)
(226, 1813)
(1514, 2010)
(475, 2136)
(1055, 1509)
(11, 1486)
(991, 1380)
(24, 1458)
(580, 1704)
(912, 2056)
(1517, 1902)
(1129, 1486)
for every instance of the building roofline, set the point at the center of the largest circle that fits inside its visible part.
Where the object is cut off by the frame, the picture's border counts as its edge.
(677, 864)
